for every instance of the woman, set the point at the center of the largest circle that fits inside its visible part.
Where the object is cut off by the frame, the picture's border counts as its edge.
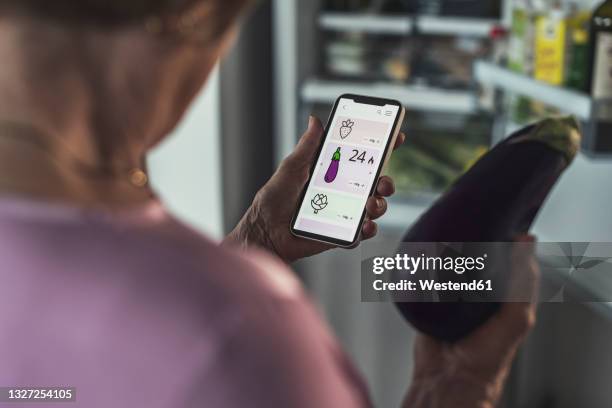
(103, 291)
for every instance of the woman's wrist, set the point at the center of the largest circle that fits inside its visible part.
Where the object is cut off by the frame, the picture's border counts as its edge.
(452, 391)
(459, 381)
(250, 232)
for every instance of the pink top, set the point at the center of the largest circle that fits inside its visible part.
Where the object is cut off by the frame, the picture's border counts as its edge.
(137, 310)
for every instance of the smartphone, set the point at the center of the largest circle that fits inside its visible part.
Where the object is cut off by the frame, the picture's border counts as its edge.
(358, 141)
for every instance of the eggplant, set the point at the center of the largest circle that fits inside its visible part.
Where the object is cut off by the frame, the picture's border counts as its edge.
(496, 200)
(334, 166)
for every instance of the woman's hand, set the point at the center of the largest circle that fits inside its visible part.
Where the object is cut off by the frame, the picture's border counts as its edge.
(266, 223)
(472, 372)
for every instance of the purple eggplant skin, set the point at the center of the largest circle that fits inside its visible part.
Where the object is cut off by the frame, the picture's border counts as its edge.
(496, 200)
(332, 171)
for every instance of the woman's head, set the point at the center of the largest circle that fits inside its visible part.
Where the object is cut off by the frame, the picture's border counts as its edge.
(129, 68)
(214, 15)
(209, 18)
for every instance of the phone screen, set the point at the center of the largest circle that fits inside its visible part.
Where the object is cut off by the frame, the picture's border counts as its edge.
(346, 169)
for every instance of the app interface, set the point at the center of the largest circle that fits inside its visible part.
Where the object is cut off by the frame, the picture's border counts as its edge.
(346, 169)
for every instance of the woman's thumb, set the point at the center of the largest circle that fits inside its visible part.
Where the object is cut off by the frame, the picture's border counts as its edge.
(309, 142)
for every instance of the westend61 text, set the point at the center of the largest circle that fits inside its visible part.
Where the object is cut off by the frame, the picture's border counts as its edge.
(429, 284)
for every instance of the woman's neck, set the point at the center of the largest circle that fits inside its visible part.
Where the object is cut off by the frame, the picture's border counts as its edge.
(88, 103)
(32, 169)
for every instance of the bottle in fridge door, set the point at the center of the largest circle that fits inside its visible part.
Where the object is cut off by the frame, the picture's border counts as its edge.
(600, 83)
(576, 75)
(550, 45)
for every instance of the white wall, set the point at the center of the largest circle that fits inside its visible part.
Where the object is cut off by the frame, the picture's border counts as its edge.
(186, 169)
(578, 210)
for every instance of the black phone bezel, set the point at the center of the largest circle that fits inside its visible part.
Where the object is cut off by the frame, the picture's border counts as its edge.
(368, 100)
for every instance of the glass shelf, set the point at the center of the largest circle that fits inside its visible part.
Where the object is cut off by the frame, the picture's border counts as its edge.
(405, 25)
(412, 97)
(596, 129)
(568, 101)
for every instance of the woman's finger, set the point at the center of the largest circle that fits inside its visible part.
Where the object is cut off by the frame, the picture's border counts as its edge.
(518, 314)
(401, 138)
(376, 207)
(385, 187)
(308, 144)
(369, 230)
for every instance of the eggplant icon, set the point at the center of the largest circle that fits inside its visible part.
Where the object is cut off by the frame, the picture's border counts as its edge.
(334, 166)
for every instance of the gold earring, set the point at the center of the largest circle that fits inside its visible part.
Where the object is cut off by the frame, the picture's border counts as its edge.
(138, 178)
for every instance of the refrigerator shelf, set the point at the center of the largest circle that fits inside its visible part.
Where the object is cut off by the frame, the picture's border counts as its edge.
(369, 23)
(591, 112)
(406, 25)
(419, 98)
(568, 101)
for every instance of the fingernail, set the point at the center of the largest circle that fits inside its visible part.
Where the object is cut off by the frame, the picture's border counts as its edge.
(311, 120)
(380, 203)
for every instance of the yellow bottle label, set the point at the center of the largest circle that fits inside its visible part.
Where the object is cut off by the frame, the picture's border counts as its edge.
(550, 50)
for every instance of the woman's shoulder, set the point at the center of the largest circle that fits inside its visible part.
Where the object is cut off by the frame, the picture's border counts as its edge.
(149, 261)
(147, 250)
